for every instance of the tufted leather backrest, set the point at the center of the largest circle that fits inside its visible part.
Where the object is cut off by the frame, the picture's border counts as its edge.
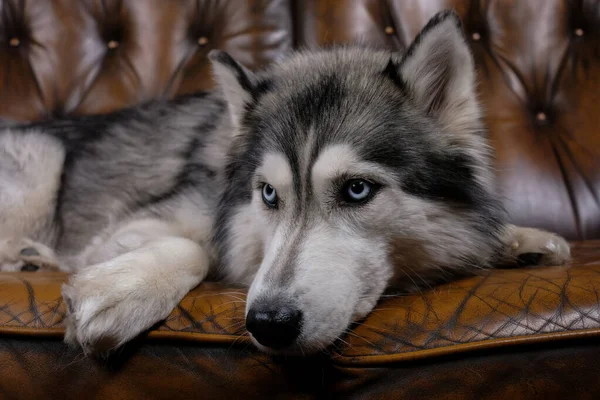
(538, 66)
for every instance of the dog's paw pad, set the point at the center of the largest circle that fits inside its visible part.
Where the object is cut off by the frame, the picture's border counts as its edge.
(526, 259)
(29, 252)
(29, 268)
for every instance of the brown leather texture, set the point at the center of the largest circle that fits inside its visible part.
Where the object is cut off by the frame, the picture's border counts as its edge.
(32, 368)
(537, 371)
(501, 318)
(64, 57)
(527, 333)
(498, 308)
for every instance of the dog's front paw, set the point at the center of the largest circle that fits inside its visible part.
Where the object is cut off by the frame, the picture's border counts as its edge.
(97, 316)
(106, 310)
(26, 255)
(110, 303)
(536, 247)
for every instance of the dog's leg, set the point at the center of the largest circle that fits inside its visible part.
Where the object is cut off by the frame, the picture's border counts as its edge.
(30, 172)
(112, 302)
(528, 247)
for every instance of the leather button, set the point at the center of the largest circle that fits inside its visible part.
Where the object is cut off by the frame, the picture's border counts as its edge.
(476, 36)
(113, 44)
(389, 30)
(579, 32)
(202, 40)
(541, 116)
(14, 42)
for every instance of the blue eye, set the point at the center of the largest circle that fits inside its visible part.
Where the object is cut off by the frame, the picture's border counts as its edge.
(357, 191)
(269, 195)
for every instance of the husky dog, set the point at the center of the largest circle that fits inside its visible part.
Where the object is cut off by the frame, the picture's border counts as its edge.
(319, 183)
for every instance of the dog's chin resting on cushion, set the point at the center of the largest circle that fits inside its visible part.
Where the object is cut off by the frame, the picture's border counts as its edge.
(318, 183)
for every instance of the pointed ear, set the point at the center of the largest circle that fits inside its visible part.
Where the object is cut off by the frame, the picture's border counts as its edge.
(237, 82)
(439, 73)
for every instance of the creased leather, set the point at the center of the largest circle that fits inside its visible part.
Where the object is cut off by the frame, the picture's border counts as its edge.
(503, 307)
(500, 307)
(538, 72)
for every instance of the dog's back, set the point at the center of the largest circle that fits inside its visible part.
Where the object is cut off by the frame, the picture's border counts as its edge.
(67, 183)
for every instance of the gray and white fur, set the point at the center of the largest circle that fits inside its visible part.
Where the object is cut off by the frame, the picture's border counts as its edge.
(319, 183)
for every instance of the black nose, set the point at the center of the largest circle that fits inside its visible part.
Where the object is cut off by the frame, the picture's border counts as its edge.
(274, 327)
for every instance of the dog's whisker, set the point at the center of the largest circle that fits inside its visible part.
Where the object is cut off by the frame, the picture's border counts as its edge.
(371, 327)
(234, 325)
(218, 294)
(418, 276)
(343, 341)
(80, 356)
(361, 338)
(236, 341)
(401, 269)
(228, 303)
(302, 349)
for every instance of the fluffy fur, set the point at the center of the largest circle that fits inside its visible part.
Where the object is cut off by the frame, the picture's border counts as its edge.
(142, 204)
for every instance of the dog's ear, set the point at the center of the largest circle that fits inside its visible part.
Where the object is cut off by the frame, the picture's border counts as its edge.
(439, 73)
(237, 82)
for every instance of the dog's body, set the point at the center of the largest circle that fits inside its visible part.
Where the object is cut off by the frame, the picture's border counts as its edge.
(318, 183)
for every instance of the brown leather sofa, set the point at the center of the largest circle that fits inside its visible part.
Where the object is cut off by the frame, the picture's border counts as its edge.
(529, 333)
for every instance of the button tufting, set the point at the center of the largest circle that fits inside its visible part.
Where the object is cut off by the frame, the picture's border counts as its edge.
(476, 36)
(113, 44)
(389, 30)
(14, 42)
(202, 40)
(578, 32)
(541, 116)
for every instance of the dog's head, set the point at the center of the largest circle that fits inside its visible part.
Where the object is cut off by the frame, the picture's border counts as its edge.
(351, 169)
